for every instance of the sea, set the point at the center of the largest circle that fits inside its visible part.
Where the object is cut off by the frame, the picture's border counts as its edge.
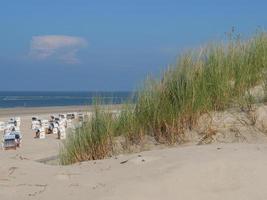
(49, 99)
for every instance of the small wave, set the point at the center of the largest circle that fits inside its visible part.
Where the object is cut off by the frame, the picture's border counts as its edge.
(27, 98)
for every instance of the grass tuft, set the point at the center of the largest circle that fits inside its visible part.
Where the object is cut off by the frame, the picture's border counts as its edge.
(212, 78)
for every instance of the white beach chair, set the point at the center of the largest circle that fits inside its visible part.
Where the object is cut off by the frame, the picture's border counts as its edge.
(11, 139)
(55, 130)
(42, 133)
(69, 123)
(62, 133)
(2, 126)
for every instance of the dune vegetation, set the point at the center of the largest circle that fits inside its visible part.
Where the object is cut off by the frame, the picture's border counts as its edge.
(212, 78)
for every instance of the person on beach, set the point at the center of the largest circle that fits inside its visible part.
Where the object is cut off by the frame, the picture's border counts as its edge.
(37, 133)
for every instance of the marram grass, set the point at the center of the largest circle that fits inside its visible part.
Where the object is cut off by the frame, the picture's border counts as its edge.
(92, 141)
(211, 78)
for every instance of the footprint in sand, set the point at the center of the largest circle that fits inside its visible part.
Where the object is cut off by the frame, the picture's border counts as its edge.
(98, 185)
(35, 189)
(11, 171)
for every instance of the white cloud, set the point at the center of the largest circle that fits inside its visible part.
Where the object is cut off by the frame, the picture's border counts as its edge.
(60, 47)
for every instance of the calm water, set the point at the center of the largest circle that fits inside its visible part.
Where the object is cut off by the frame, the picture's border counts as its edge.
(42, 99)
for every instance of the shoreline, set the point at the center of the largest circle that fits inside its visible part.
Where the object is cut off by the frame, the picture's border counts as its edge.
(19, 111)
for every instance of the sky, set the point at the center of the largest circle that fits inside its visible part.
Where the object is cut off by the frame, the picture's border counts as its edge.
(112, 45)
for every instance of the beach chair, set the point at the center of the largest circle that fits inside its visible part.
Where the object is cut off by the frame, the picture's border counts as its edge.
(62, 133)
(2, 126)
(55, 130)
(69, 123)
(36, 124)
(42, 133)
(11, 140)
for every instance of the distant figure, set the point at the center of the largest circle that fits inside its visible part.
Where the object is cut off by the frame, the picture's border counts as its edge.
(37, 133)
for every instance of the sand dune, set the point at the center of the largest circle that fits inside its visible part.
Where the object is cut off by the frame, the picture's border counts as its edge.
(218, 171)
(235, 171)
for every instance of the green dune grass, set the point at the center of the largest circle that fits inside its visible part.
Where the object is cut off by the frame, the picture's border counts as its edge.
(211, 78)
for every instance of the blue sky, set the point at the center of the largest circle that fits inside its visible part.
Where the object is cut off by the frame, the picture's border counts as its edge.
(109, 45)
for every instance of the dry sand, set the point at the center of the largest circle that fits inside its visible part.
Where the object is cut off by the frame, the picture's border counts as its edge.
(22, 111)
(218, 171)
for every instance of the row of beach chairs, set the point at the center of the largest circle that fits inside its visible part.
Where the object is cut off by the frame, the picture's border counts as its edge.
(57, 124)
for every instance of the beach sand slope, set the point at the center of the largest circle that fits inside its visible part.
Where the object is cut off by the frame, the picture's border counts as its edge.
(216, 171)
(225, 171)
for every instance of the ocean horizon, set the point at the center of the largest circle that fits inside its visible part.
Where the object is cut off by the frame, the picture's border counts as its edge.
(13, 99)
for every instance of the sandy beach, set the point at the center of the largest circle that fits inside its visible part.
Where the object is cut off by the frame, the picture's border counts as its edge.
(30, 111)
(133, 100)
(218, 171)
